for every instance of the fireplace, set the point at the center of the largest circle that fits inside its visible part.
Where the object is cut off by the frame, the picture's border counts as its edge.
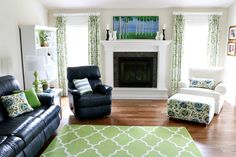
(135, 69)
(137, 50)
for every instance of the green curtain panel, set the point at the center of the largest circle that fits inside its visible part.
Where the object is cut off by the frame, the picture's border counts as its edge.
(94, 40)
(61, 53)
(213, 40)
(177, 51)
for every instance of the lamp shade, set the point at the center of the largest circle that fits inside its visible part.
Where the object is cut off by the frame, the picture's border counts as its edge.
(36, 63)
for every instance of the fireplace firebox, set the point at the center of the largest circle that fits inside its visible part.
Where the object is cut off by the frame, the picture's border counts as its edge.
(135, 69)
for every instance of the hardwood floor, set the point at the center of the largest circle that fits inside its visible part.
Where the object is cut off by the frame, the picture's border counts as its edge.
(214, 140)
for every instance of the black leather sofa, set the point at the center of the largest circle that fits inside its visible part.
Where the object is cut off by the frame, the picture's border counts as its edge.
(93, 105)
(24, 136)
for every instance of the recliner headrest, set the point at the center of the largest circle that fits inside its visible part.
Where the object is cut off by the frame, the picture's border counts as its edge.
(90, 72)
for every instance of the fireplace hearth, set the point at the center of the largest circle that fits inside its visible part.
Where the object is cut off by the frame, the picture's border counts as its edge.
(135, 69)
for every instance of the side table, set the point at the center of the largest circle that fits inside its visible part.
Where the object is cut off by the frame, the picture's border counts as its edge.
(56, 92)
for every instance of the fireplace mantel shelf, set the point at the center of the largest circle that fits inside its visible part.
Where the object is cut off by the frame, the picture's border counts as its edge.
(160, 46)
(145, 42)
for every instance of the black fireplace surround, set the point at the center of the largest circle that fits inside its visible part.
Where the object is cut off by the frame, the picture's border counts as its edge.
(135, 69)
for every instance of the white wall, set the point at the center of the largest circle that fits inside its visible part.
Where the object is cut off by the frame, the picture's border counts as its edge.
(165, 16)
(14, 13)
(230, 62)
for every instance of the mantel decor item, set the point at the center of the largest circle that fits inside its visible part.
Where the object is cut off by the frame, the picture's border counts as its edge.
(163, 32)
(114, 35)
(107, 32)
(232, 33)
(136, 27)
(157, 36)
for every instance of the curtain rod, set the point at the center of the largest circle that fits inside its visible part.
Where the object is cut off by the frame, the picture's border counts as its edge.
(198, 13)
(76, 14)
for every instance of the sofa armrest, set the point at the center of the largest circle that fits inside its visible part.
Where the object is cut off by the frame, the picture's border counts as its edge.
(46, 99)
(221, 88)
(183, 84)
(103, 89)
(74, 92)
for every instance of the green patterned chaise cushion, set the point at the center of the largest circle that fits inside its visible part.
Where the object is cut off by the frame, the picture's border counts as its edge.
(83, 86)
(16, 104)
(202, 83)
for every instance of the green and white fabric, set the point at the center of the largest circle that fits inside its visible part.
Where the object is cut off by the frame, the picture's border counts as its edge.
(213, 40)
(61, 53)
(16, 104)
(122, 141)
(202, 83)
(94, 40)
(177, 51)
(83, 86)
(193, 108)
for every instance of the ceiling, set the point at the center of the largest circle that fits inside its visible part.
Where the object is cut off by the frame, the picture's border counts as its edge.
(84, 4)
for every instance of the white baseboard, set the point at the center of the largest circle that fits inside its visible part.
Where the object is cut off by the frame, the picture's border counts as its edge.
(140, 93)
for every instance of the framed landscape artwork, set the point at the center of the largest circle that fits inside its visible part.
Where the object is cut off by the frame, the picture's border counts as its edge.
(231, 49)
(136, 27)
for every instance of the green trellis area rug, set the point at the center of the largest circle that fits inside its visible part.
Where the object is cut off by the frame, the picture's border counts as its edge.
(122, 141)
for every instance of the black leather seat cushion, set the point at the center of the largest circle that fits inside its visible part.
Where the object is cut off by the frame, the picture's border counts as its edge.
(11, 125)
(10, 146)
(50, 114)
(95, 99)
(29, 132)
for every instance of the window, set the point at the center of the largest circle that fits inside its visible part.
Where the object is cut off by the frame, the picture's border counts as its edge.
(195, 43)
(77, 41)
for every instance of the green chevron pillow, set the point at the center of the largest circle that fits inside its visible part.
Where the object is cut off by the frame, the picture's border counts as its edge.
(16, 104)
(83, 86)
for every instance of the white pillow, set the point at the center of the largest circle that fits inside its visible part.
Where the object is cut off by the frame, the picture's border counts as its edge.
(83, 86)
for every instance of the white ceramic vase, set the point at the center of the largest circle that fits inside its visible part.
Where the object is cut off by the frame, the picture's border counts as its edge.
(114, 35)
(157, 36)
(110, 36)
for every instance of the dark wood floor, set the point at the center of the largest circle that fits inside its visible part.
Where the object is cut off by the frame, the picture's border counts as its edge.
(218, 139)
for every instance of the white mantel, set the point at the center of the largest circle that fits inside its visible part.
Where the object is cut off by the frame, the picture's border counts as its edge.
(160, 46)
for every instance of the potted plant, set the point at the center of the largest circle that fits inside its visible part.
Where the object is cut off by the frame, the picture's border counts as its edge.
(43, 38)
(44, 84)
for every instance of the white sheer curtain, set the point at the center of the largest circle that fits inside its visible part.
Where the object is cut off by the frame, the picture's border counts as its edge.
(195, 43)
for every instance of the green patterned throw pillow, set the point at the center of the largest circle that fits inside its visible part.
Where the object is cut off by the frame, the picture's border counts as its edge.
(16, 104)
(83, 86)
(202, 83)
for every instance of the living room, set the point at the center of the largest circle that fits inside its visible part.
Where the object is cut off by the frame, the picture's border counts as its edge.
(144, 105)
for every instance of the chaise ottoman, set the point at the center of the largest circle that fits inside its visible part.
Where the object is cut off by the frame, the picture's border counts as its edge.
(192, 108)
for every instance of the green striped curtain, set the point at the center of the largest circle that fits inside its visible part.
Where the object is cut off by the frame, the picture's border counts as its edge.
(61, 53)
(94, 40)
(213, 40)
(177, 51)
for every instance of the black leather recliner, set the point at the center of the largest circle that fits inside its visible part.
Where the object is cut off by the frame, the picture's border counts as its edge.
(25, 135)
(92, 105)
